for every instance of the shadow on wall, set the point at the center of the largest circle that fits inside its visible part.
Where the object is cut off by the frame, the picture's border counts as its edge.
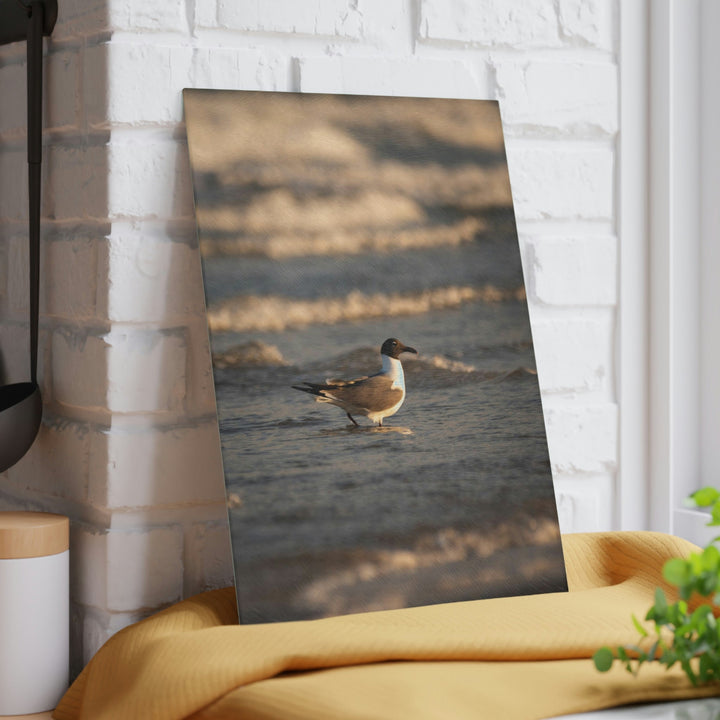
(72, 369)
(128, 447)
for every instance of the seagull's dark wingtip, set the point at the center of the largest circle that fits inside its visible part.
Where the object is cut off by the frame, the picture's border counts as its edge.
(304, 389)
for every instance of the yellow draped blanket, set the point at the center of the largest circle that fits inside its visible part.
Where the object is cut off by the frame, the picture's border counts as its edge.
(506, 659)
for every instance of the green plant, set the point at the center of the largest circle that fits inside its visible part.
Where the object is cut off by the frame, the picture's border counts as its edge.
(685, 637)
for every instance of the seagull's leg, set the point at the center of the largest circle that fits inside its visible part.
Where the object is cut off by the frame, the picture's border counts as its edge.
(380, 422)
(352, 419)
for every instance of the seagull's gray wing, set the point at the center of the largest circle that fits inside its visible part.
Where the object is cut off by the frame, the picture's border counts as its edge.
(374, 393)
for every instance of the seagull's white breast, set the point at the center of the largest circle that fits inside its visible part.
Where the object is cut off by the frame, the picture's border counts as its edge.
(392, 367)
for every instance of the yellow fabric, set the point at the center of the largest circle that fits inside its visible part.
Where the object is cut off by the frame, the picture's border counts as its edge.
(514, 658)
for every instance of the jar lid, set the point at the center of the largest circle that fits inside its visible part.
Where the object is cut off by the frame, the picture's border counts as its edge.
(33, 534)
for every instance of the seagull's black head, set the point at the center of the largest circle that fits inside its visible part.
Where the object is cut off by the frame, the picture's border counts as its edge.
(393, 347)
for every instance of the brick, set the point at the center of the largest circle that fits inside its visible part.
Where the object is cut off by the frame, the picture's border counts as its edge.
(13, 109)
(561, 182)
(587, 22)
(62, 105)
(204, 15)
(200, 399)
(76, 182)
(581, 438)
(128, 82)
(574, 271)
(145, 370)
(151, 279)
(229, 68)
(18, 302)
(4, 280)
(57, 463)
(14, 352)
(574, 353)
(335, 18)
(142, 83)
(91, 628)
(144, 568)
(421, 77)
(151, 467)
(70, 271)
(166, 16)
(388, 25)
(88, 571)
(13, 185)
(81, 18)
(96, 85)
(498, 23)
(127, 570)
(577, 98)
(148, 179)
(584, 504)
(79, 368)
(208, 558)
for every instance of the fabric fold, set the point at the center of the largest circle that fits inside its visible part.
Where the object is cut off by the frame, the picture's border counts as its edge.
(521, 657)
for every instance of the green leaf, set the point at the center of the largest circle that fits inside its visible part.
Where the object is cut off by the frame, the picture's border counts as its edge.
(692, 640)
(668, 657)
(715, 514)
(704, 497)
(676, 571)
(699, 618)
(705, 668)
(687, 668)
(643, 632)
(708, 583)
(696, 564)
(711, 558)
(652, 653)
(603, 659)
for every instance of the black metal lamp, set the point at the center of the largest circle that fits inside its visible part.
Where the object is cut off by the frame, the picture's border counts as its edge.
(20, 403)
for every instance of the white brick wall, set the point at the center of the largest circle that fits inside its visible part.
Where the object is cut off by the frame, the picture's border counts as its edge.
(129, 446)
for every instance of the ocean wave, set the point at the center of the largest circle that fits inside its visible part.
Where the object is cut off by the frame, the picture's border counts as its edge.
(275, 313)
(337, 591)
(443, 363)
(363, 361)
(444, 372)
(344, 241)
(250, 354)
(280, 210)
(467, 188)
(515, 374)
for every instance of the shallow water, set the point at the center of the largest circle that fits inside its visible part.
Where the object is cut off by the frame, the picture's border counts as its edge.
(465, 453)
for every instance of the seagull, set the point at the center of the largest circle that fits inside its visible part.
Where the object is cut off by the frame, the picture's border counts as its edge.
(377, 396)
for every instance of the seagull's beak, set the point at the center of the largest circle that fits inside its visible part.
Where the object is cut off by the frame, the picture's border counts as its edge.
(407, 348)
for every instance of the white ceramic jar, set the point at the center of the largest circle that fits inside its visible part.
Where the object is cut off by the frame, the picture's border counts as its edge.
(34, 611)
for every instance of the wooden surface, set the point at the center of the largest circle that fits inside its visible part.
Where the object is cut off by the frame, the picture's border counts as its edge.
(33, 534)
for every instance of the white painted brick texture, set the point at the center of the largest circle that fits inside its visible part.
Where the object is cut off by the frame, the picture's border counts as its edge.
(417, 76)
(519, 24)
(540, 97)
(573, 271)
(129, 446)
